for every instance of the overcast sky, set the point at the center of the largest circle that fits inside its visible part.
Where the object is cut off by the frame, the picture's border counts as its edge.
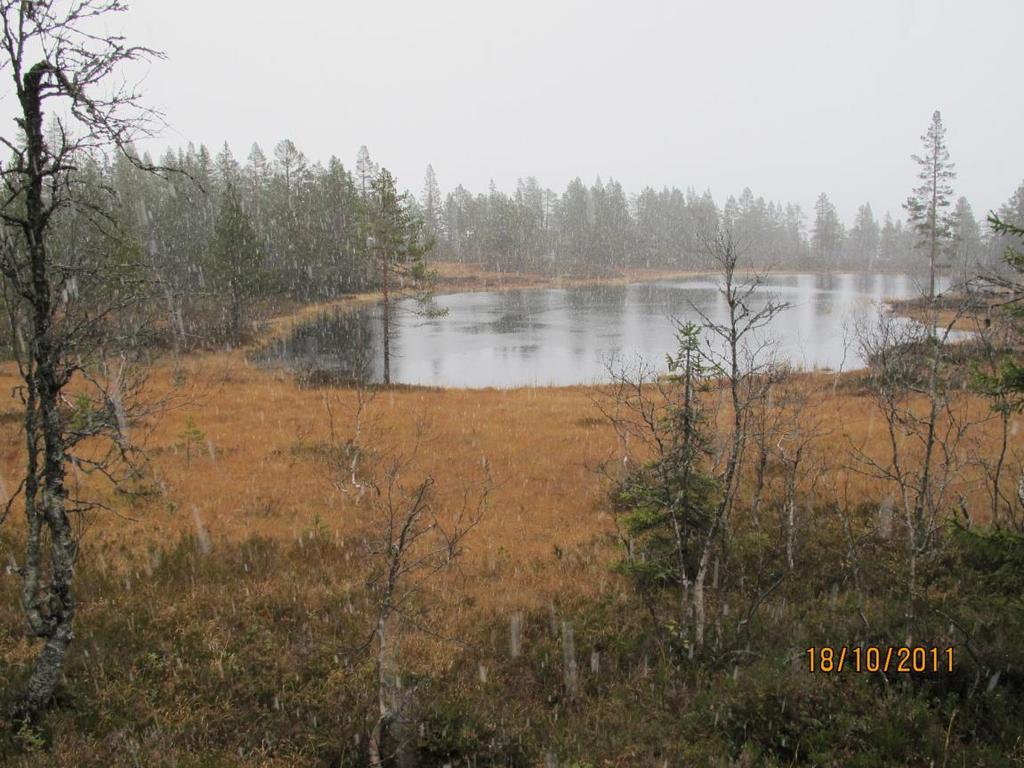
(789, 98)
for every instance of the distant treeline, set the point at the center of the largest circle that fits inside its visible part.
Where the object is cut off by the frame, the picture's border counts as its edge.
(600, 227)
(283, 227)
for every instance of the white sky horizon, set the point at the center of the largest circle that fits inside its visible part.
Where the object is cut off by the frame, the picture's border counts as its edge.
(790, 98)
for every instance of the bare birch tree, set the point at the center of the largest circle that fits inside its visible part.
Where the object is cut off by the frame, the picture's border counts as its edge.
(64, 306)
(743, 358)
(409, 542)
(926, 422)
(798, 428)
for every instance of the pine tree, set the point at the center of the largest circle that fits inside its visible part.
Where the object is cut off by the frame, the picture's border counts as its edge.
(343, 243)
(530, 213)
(574, 226)
(257, 175)
(288, 211)
(794, 237)
(292, 165)
(619, 227)
(926, 203)
(397, 244)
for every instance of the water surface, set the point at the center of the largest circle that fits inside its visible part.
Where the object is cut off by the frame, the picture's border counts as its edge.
(568, 336)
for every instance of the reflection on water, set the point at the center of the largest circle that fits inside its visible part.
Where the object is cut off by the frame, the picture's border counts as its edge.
(567, 336)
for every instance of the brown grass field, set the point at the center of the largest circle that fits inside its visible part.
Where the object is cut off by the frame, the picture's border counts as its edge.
(262, 468)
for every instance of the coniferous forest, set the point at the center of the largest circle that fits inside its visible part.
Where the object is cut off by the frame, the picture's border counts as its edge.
(303, 226)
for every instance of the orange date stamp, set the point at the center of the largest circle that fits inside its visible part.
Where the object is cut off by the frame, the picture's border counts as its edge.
(899, 659)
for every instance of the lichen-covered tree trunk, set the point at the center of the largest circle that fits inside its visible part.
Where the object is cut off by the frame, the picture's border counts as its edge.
(387, 318)
(791, 513)
(49, 606)
(385, 665)
(391, 728)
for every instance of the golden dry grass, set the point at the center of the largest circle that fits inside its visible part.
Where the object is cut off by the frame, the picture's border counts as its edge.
(262, 472)
(261, 469)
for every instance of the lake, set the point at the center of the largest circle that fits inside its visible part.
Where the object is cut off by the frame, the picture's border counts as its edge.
(568, 336)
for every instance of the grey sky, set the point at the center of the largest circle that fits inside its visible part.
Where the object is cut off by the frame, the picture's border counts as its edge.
(789, 98)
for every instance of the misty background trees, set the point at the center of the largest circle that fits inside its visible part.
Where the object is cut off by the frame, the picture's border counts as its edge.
(310, 223)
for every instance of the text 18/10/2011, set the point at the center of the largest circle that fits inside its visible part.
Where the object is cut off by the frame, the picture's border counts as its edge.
(899, 659)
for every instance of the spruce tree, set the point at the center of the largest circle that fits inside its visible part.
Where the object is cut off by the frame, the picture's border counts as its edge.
(827, 235)
(1010, 376)
(366, 171)
(864, 237)
(665, 506)
(1011, 212)
(431, 203)
(964, 237)
(233, 269)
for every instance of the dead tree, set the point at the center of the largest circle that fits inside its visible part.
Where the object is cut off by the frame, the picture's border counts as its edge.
(767, 424)
(409, 542)
(797, 431)
(64, 307)
(347, 454)
(927, 424)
